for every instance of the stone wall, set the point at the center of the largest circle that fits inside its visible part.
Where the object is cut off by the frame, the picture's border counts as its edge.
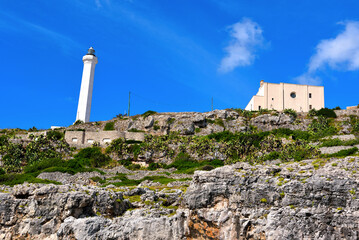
(137, 136)
(347, 112)
(87, 138)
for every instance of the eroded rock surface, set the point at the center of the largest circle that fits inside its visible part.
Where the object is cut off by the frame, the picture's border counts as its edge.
(312, 199)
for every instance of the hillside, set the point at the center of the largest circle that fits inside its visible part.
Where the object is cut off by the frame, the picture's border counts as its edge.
(226, 174)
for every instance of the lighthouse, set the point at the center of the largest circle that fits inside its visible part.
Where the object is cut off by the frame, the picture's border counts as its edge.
(84, 106)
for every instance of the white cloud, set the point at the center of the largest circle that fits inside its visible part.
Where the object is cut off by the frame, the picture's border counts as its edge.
(342, 52)
(309, 79)
(246, 37)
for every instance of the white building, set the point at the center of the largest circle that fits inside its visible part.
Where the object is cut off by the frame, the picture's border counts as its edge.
(301, 98)
(84, 106)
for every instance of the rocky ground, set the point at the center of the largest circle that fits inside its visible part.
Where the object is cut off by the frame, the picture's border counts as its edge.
(311, 199)
(197, 123)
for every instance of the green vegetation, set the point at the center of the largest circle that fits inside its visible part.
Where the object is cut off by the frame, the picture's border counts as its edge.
(290, 112)
(92, 157)
(170, 121)
(46, 165)
(338, 142)
(321, 127)
(135, 130)
(263, 200)
(343, 153)
(78, 122)
(55, 135)
(354, 121)
(109, 126)
(184, 164)
(324, 112)
(16, 155)
(132, 182)
(148, 113)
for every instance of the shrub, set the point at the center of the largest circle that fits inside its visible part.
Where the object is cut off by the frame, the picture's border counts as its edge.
(219, 122)
(344, 152)
(13, 179)
(78, 122)
(184, 164)
(125, 162)
(321, 128)
(331, 142)
(290, 112)
(93, 157)
(148, 113)
(134, 166)
(134, 130)
(33, 129)
(109, 126)
(207, 168)
(153, 166)
(271, 156)
(337, 108)
(170, 120)
(2, 171)
(55, 135)
(354, 121)
(326, 112)
(298, 151)
(46, 163)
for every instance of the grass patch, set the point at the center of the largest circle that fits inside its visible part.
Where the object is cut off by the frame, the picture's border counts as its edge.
(131, 182)
(338, 142)
(135, 130)
(148, 113)
(184, 164)
(72, 166)
(13, 179)
(109, 126)
(343, 153)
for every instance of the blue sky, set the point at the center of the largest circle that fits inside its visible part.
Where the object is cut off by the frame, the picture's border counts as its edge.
(172, 55)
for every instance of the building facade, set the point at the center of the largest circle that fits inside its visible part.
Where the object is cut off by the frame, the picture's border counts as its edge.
(280, 96)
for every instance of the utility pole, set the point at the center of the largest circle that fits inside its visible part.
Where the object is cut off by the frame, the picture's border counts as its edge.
(129, 103)
(212, 103)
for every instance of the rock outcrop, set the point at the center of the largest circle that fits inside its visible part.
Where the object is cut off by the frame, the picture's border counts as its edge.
(312, 199)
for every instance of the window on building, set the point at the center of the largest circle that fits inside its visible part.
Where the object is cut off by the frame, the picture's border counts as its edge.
(106, 140)
(293, 95)
(310, 107)
(310, 95)
(272, 99)
(74, 140)
(259, 107)
(90, 140)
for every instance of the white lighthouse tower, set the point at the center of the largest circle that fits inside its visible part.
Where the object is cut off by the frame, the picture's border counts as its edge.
(84, 107)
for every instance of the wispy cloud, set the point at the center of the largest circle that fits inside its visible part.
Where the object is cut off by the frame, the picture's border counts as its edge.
(246, 38)
(339, 53)
(13, 23)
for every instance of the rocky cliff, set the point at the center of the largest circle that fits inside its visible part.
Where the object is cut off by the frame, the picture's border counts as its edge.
(311, 199)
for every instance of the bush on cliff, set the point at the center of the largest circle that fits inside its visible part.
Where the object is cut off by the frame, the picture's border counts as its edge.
(185, 164)
(148, 113)
(324, 112)
(343, 153)
(109, 126)
(93, 157)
